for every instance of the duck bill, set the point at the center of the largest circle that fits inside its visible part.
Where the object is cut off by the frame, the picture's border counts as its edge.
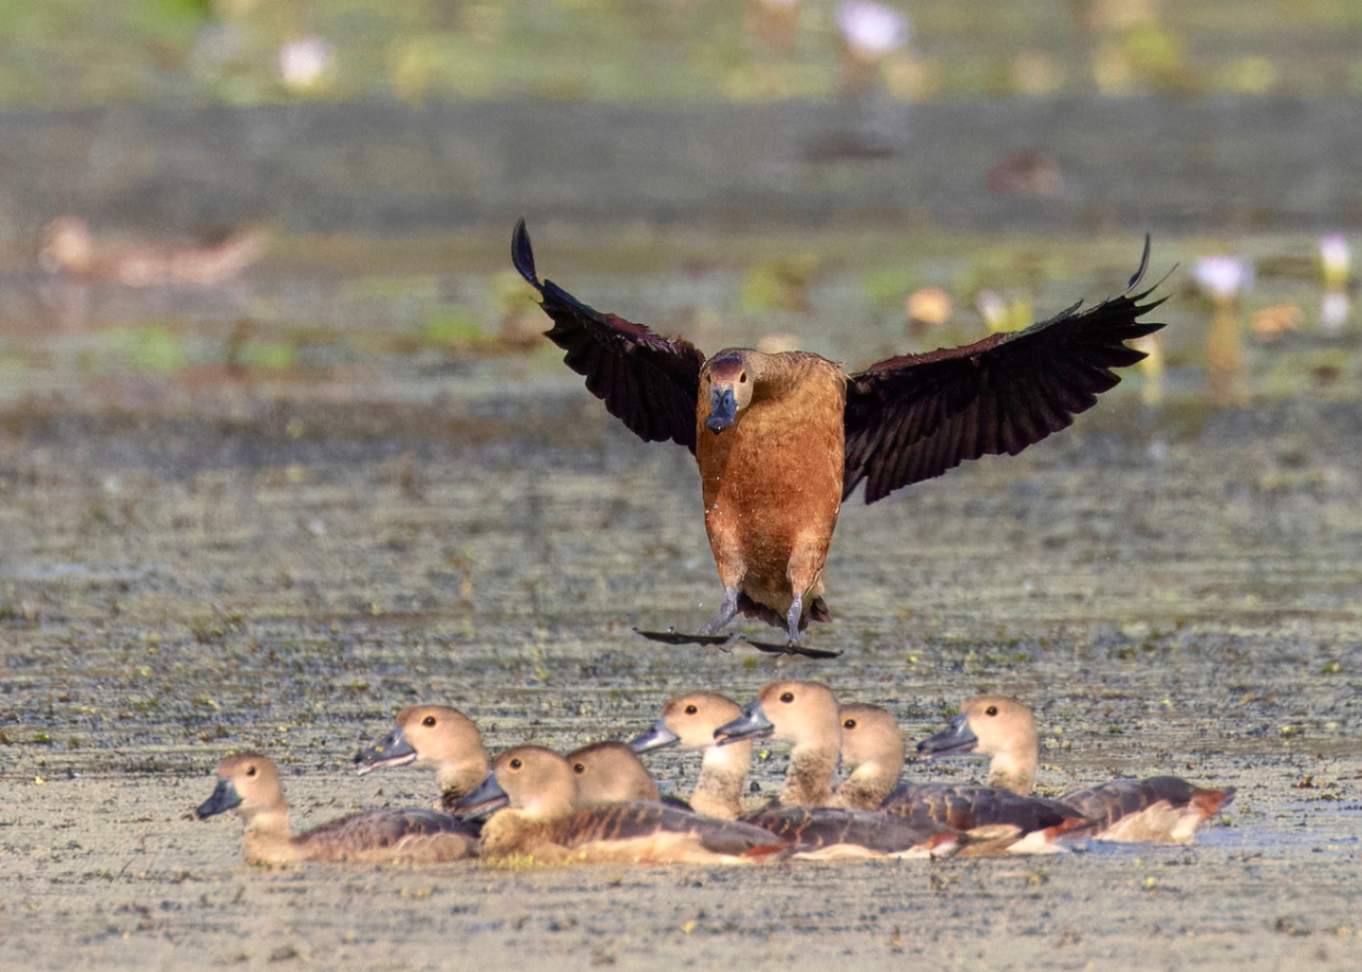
(658, 737)
(956, 739)
(723, 409)
(224, 798)
(392, 750)
(487, 798)
(752, 724)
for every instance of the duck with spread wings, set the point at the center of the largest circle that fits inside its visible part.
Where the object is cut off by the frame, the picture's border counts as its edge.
(782, 439)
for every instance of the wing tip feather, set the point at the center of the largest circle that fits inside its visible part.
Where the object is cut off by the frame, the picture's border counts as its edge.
(522, 254)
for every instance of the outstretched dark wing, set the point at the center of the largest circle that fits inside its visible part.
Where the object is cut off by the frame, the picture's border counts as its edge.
(915, 416)
(648, 382)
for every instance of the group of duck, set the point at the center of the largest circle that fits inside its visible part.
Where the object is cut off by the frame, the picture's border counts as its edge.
(599, 803)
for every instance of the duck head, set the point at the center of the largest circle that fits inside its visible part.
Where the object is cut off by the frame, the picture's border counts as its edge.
(726, 385)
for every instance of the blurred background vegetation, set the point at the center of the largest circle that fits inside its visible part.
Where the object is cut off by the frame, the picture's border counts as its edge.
(70, 53)
(257, 199)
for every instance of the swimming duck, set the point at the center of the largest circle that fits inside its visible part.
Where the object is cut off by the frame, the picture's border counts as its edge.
(531, 794)
(249, 784)
(814, 832)
(689, 721)
(432, 735)
(68, 247)
(1157, 809)
(782, 439)
(807, 715)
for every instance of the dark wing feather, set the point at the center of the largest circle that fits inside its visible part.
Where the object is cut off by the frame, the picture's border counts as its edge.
(648, 382)
(1109, 802)
(383, 828)
(814, 828)
(646, 818)
(970, 807)
(915, 416)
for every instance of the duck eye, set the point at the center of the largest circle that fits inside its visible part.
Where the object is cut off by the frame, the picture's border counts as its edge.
(787, 697)
(691, 710)
(428, 721)
(250, 771)
(515, 764)
(579, 768)
(742, 378)
(849, 724)
(991, 710)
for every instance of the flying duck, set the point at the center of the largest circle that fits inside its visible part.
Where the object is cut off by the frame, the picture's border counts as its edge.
(783, 439)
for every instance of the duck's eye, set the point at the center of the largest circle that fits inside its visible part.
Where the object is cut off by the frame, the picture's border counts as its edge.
(849, 724)
(787, 697)
(691, 710)
(250, 771)
(579, 768)
(428, 721)
(991, 710)
(742, 378)
(515, 764)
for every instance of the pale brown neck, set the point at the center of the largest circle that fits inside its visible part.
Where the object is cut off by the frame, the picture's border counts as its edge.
(867, 787)
(551, 805)
(456, 779)
(512, 831)
(268, 838)
(809, 781)
(718, 792)
(1013, 771)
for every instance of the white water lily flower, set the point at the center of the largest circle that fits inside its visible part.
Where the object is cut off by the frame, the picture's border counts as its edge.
(871, 30)
(1335, 259)
(1223, 278)
(304, 63)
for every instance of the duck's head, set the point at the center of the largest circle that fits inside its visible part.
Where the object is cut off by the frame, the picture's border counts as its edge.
(989, 725)
(870, 736)
(434, 735)
(803, 713)
(247, 783)
(529, 778)
(726, 385)
(688, 721)
(609, 772)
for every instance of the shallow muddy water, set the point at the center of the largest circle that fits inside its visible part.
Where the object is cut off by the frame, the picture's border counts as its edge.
(203, 553)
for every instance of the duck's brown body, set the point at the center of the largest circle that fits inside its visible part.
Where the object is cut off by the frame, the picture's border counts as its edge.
(1156, 809)
(772, 483)
(638, 832)
(400, 836)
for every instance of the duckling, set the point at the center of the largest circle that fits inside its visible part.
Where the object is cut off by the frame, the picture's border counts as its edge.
(807, 714)
(782, 440)
(689, 721)
(1158, 809)
(531, 794)
(432, 735)
(249, 783)
(609, 772)
(820, 833)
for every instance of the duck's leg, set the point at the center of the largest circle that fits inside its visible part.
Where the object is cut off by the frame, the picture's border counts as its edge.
(728, 610)
(793, 617)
